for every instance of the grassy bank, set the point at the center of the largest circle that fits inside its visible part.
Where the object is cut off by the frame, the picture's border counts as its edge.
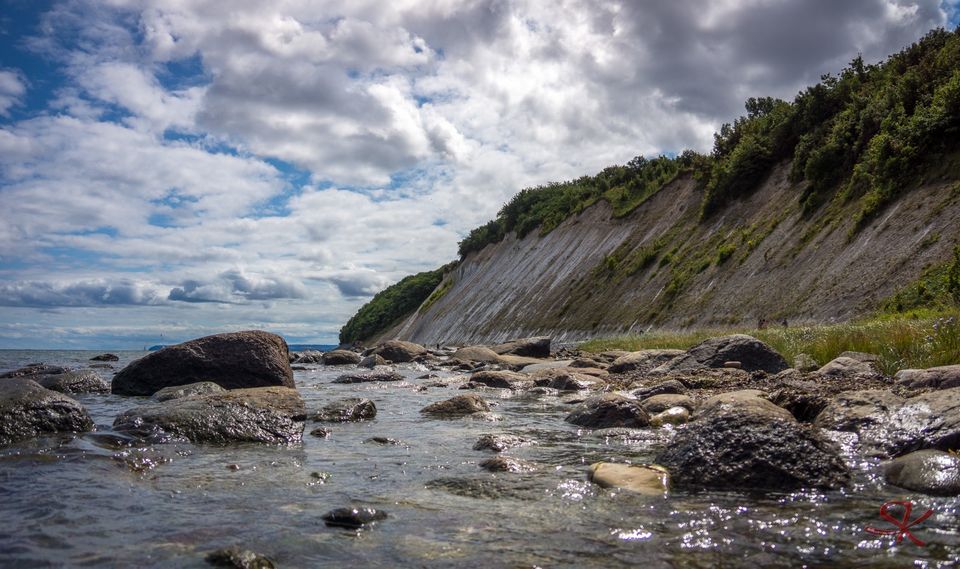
(918, 340)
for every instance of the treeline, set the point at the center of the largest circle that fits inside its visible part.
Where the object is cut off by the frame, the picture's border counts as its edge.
(860, 135)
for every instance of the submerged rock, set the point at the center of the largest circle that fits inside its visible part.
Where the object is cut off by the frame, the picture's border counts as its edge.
(752, 354)
(397, 351)
(538, 347)
(346, 410)
(650, 479)
(31, 370)
(499, 443)
(234, 361)
(353, 518)
(28, 410)
(943, 377)
(609, 410)
(366, 377)
(889, 425)
(261, 414)
(502, 463)
(340, 358)
(105, 358)
(457, 406)
(178, 391)
(238, 559)
(752, 451)
(932, 472)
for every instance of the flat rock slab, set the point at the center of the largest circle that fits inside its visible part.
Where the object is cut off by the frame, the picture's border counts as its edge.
(262, 414)
(236, 360)
(28, 410)
(649, 479)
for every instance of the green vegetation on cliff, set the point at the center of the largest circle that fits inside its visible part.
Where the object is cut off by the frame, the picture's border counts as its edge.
(391, 305)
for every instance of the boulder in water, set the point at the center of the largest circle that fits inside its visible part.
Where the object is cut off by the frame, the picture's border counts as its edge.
(609, 410)
(28, 410)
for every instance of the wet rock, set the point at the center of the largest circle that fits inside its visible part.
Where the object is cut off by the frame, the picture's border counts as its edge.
(564, 380)
(752, 451)
(932, 472)
(100, 366)
(889, 425)
(239, 559)
(372, 361)
(234, 361)
(502, 463)
(752, 354)
(743, 402)
(650, 479)
(500, 443)
(340, 358)
(178, 391)
(262, 414)
(457, 406)
(671, 416)
(105, 358)
(31, 370)
(306, 357)
(80, 381)
(643, 360)
(28, 410)
(346, 410)
(321, 432)
(660, 403)
(844, 366)
(943, 377)
(476, 354)
(477, 488)
(805, 363)
(664, 387)
(353, 518)
(500, 379)
(385, 441)
(538, 347)
(366, 377)
(609, 410)
(397, 351)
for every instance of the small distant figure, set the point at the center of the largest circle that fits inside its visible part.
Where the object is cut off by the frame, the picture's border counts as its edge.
(762, 323)
(784, 323)
(438, 345)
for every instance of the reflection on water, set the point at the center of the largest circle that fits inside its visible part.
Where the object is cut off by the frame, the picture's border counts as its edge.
(101, 500)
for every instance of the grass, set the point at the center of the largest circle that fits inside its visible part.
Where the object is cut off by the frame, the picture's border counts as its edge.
(918, 340)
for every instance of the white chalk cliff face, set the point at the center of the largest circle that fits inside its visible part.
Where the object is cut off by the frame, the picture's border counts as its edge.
(577, 281)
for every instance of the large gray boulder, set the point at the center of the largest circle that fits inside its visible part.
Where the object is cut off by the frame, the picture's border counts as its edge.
(644, 360)
(28, 410)
(943, 377)
(235, 360)
(929, 471)
(263, 414)
(398, 351)
(752, 354)
(889, 425)
(609, 410)
(744, 449)
(538, 347)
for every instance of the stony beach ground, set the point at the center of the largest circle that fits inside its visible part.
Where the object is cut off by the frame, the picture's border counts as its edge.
(722, 453)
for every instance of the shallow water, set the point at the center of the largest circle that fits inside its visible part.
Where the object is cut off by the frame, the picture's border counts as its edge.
(90, 501)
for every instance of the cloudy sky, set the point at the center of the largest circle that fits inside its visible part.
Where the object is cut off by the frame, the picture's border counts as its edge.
(173, 168)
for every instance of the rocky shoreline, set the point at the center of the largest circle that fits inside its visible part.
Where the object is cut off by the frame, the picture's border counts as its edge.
(735, 414)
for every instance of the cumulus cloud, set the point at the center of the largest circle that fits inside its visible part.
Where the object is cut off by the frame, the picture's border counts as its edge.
(83, 293)
(12, 89)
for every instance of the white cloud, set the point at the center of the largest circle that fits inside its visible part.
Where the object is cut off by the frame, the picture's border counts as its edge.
(12, 90)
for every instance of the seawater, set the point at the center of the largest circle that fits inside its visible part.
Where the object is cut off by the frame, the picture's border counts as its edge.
(88, 501)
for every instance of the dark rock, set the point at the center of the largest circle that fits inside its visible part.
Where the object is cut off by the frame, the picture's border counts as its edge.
(803, 404)
(943, 377)
(501, 379)
(321, 432)
(239, 559)
(662, 388)
(499, 443)
(372, 361)
(346, 410)
(353, 518)
(28, 410)
(644, 360)
(752, 451)
(178, 391)
(340, 358)
(366, 377)
(538, 347)
(563, 379)
(457, 406)
(397, 351)
(307, 357)
(262, 414)
(609, 410)
(105, 358)
(662, 402)
(31, 370)
(385, 441)
(502, 463)
(752, 354)
(234, 361)
(80, 381)
(932, 472)
(889, 425)
(100, 366)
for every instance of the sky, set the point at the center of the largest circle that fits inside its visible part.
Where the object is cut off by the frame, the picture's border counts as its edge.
(176, 168)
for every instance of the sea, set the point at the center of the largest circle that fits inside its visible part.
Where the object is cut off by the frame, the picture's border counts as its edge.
(99, 499)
